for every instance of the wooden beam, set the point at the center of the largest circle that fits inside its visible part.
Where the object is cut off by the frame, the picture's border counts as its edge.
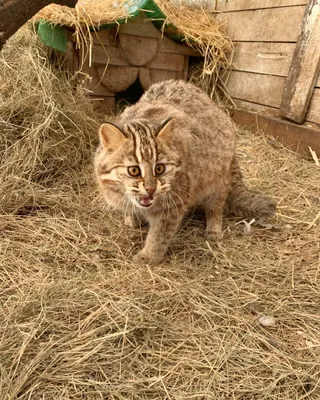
(15, 13)
(304, 68)
(241, 5)
(265, 25)
(296, 137)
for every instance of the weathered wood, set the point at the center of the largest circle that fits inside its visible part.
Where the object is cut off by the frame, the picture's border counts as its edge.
(257, 108)
(173, 63)
(262, 89)
(169, 46)
(313, 114)
(15, 13)
(145, 78)
(240, 5)
(158, 75)
(264, 58)
(117, 79)
(185, 68)
(138, 50)
(297, 137)
(108, 56)
(305, 66)
(268, 25)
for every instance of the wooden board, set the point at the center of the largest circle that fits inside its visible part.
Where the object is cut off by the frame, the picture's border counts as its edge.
(297, 137)
(262, 89)
(264, 58)
(268, 25)
(313, 114)
(237, 5)
(173, 63)
(305, 66)
(257, 108)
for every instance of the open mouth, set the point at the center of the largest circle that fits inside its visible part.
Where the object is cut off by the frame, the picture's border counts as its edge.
(145, 201)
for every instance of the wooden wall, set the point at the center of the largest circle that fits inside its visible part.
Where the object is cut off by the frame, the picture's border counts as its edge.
(265, 35)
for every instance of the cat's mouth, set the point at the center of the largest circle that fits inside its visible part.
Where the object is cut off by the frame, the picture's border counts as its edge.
(145, 201)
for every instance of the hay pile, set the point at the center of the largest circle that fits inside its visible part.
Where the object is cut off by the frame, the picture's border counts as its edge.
(79, 321)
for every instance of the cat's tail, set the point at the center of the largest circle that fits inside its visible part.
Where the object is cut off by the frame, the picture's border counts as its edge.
(245, 203)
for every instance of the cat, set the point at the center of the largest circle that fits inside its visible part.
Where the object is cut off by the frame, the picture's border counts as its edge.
(171, 151)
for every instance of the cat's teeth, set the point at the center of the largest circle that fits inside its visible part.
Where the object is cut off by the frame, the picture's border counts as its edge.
(146, 201)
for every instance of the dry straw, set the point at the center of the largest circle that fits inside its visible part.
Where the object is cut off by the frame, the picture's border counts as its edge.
(196, 26)
(79, 321)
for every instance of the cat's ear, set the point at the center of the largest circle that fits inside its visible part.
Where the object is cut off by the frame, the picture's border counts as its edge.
(166, 129)
(111, 138)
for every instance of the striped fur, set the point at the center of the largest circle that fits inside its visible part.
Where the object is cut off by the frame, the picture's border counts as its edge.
(173, 150)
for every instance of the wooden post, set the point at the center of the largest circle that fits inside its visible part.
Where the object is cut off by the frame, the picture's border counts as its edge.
(304, 67)
(15, 13)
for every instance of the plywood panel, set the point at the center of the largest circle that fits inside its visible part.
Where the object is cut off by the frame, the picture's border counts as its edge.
(268, 25)
(262, 89)
(264, 58)
(236, 5)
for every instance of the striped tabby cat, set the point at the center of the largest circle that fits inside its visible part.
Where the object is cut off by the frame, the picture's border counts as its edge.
(170, 152)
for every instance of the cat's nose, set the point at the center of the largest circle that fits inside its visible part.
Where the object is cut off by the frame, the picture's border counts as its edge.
(150, 189)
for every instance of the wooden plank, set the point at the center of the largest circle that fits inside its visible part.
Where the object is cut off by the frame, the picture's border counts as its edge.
(305, 66)
(256, 108)
(269, 25)
(297, 137)
(262, 89)
(239, 5)
(108, 55)
(158, 75)
(169, 46)
(173, 63)
(313, 114)
(264, 58)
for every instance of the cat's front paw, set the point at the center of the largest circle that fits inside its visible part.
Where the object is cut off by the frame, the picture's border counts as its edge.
(213, 236)
(141, 258)
(134, 223)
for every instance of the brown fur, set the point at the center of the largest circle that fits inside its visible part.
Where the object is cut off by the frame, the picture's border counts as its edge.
(177, 125)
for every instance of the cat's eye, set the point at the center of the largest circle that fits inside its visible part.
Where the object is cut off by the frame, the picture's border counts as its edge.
(160, 168)
(134, 171)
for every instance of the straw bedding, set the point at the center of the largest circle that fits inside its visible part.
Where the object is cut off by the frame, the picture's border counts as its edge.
(79, 321)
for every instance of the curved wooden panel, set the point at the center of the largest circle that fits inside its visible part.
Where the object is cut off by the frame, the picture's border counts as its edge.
(138, 50)
(117, 79)
(144, 78)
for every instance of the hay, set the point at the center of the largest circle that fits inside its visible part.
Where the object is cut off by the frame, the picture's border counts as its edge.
(79, 321)
(196, 26)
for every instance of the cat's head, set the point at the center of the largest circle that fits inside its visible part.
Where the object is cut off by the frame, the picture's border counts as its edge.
(137, 160)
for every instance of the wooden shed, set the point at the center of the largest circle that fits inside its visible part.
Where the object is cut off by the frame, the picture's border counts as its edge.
(275, 76)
